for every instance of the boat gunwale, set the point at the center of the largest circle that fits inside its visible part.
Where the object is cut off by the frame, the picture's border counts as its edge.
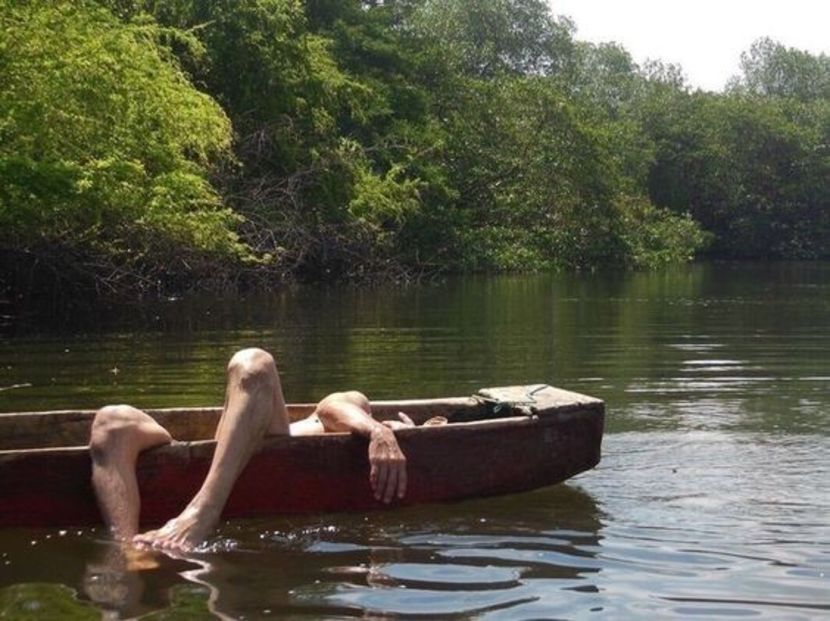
(472, 401)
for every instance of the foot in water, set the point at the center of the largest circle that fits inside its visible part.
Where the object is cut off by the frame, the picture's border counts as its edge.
(183, 533)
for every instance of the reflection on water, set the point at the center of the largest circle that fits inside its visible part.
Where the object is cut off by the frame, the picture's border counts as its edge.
(678, 537)
(712, 498)
(460, 558)
(26, 602)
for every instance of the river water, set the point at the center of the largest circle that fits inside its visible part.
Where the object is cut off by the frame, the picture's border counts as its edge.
(712, 498)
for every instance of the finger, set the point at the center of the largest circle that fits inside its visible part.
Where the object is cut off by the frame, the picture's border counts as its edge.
(391, 484)
(373, 476)
(406, 419)
(383, 475)
(402, 481)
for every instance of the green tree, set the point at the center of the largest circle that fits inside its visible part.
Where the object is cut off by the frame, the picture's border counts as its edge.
(359, 137)
(487, 38)
(771, 69)
(319, 169)
(105, 151)
(751, 171)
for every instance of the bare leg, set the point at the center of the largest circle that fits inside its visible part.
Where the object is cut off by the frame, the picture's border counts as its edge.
(254, 406)
(119, 434)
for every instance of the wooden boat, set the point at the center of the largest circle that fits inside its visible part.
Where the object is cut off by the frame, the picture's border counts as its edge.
(499, 441)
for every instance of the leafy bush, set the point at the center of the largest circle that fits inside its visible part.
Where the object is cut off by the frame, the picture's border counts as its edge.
(105, 146)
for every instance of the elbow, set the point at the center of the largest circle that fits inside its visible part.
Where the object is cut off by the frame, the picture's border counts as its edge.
(341, 411)
(329, 418)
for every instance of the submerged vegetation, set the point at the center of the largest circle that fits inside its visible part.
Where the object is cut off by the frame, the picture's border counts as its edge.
(151, 146)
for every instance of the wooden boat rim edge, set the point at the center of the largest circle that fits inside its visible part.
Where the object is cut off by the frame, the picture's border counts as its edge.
(581, 400)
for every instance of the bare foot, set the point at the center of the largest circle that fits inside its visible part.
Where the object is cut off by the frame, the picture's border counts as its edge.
(182, 533)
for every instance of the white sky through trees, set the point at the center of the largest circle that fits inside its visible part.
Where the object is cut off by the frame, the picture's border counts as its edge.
(706, 37)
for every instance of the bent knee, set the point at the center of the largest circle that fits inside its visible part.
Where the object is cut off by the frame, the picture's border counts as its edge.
(113, 417)
(110, 422)
(252, 365)
(120, 424)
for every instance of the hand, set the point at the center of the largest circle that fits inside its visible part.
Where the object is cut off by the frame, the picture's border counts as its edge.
(387, 474)
(404, 423)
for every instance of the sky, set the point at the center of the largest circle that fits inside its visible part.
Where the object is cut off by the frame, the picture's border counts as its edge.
(705, 37)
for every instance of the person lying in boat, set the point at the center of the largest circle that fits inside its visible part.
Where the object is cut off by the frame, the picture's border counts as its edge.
(254, 407)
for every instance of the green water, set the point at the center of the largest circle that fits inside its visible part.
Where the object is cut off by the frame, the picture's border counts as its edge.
(712, 498)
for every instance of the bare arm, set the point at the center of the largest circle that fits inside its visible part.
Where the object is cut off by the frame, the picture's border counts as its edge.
(350, 411)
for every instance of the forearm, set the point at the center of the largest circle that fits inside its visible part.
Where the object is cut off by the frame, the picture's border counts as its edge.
(350, 411)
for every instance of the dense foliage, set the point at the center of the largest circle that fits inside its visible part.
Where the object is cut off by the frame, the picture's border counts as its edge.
(105, 151)
(163, 144)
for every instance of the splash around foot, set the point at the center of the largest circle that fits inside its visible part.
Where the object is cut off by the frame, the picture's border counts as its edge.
(183, 533)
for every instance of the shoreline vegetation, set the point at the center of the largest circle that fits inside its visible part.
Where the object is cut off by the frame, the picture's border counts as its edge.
(154, 148)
